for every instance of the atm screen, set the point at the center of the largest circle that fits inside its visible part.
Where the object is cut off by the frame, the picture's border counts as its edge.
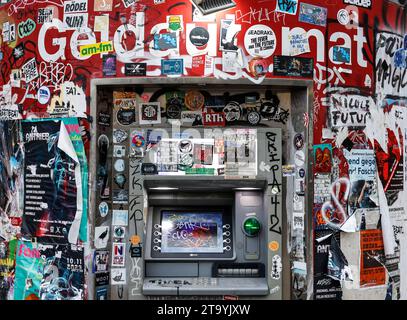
(191, 232)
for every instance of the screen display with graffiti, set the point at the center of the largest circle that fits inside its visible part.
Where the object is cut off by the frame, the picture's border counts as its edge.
(186, 232)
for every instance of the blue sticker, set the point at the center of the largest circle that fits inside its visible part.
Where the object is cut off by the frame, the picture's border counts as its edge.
(341, 54)
(313, 14)
(165, 41)
(287, 6)
(172, 67)
(400, 58)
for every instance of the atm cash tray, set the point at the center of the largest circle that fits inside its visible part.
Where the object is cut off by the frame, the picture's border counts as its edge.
(205, 286)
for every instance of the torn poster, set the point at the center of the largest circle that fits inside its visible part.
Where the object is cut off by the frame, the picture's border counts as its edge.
(349, 110)
(7, 267)
(52, 183)
(372, 271)
(338, 267)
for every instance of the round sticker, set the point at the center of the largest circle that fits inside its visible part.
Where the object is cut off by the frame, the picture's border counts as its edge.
(253, 117)
(301, 173)
(343, 17)
(126, 116)
(174, 111)
(273, 246)
(260, 41)
(138, 141)
(299, 141)
(120, 180)
(199, 36)
(119, 232)
(232, 111)
(185, 146)
(43, 95)
(119, 136)
(299, 158)
(135, 240)
(194, 100)
(103, 209)
(119, 165)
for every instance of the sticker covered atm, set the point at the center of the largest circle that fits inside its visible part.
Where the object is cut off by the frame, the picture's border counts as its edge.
(194, 182)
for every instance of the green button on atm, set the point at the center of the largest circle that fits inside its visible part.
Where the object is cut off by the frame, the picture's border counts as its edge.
(251, 226)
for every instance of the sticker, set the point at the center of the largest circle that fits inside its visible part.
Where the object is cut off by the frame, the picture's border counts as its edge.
(101, 261)
(293, 66)
(126, 116)
(288, 170)
(287, 6)
(135, 69)
(45, 15)
(135, 252)
(101, 293)
(96, 48)
(298, 41)
(120, 218)
(202, 65)
(103, 209)
(175, 23)
(194, 100)
(150, 113)
(137, 140)
(185, 146)
(118, 254)
(299, 158)
(119, 165)
(400, 58)
(253, 117)
(258, 67)
(119, 151)
(229, 61)
(109, 65)
(228, 35)
(165, 41)
(29, 70)
(174, 111)
(148, 168)
(276, 267)
(128, 3)
(120, 197)
(136, 152)
(185, 161)
(118, 276)
(343, 17)
(103, 5)
(43, 95)
(341, 54)
(213, 119)
(199, 36)
(299, 141)
(359, 3)
(322, 158)
(119, 136)
(232, 112)
(313, 14)
(120, 180)
(172, 67)
(119, 232)
(260, 41)
(102, 279)
(135, 239)
(104, 119)
(25, 28)
(301, 172)
(75, 21)
(274, 246)
(18, 51)
(101, 237)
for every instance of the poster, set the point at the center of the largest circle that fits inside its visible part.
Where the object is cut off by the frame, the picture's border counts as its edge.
(322, 158)
(372, 271)
(350, 110)
(51, 183)
(7, 267)
(293, 66)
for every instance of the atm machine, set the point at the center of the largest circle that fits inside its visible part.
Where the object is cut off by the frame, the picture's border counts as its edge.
(206, 242)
